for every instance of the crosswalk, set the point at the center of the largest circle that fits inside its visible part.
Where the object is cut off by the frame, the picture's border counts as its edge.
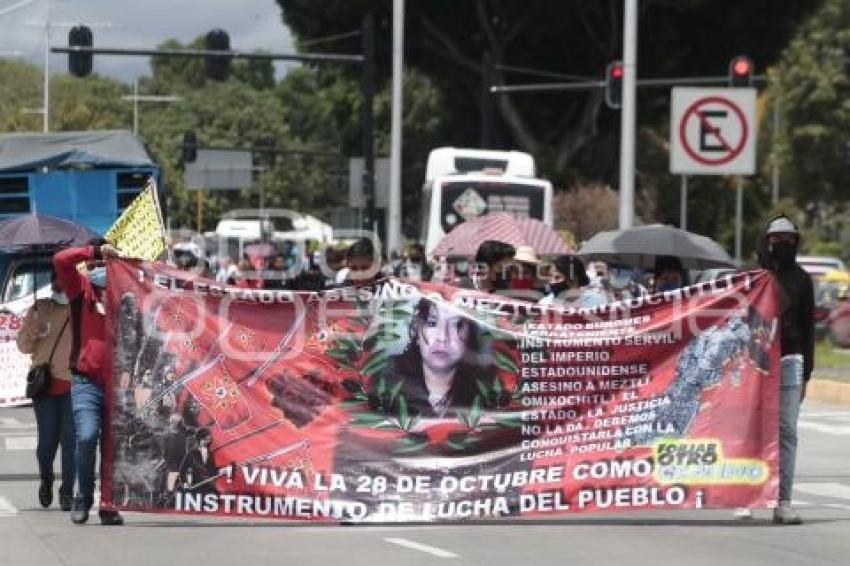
(833, 423)
(16, 435)
(6, 508)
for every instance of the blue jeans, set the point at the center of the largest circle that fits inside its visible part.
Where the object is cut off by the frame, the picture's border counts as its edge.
(87, 401)
(55, 425)
(789, 411)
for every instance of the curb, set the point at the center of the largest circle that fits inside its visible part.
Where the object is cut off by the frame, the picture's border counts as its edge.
(828, 391)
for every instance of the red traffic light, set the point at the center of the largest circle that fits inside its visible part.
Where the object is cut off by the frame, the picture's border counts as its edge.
(614, 84)
(741, 71)
(616, 70)
(742, 66)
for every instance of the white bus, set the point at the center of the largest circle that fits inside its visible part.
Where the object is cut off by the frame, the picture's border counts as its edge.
(461, 184)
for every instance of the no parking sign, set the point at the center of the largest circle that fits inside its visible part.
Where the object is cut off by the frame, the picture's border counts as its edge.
(713, 131)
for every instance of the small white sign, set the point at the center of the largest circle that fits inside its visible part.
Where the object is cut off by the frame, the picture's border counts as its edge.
(713, 131)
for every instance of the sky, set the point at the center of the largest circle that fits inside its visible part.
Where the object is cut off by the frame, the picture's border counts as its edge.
(252, 24)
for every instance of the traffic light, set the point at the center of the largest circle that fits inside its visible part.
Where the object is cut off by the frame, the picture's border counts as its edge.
(741, 71)
(80, 64)
(190, 147)
(614, 84)
(218, 66)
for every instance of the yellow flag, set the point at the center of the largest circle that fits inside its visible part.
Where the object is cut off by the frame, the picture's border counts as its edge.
(139, 231)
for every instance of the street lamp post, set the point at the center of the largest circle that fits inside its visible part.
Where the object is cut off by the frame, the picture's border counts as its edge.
(136, 98)
(394, 201)
(628, 117)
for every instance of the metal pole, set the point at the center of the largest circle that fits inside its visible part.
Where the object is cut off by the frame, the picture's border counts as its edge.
(683, 203)
(739, 217)
(136, 106)
(394, 208)
(629, 115)
(192, 53)
(200, 209)
(486, 102)
(775, 151)
(368, 87)
(46, 104)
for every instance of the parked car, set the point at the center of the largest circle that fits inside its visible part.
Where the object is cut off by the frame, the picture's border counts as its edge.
(21, 274)
(839, 325)
(831, 291)
(819, 266)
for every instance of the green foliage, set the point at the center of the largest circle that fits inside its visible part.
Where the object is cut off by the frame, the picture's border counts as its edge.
(20, 89)
(812, 92)
(810, 89)
(446, 40)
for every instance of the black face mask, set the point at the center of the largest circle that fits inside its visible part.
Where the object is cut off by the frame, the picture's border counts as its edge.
(501, 283)
(557, 288)
(784, 254)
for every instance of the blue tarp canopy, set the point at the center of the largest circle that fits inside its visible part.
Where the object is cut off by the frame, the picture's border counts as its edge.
(69, 150)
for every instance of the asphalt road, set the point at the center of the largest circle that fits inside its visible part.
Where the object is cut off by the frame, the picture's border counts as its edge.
(32, 536)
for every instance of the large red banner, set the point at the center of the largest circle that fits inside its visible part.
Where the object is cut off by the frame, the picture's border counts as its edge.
(402, 401)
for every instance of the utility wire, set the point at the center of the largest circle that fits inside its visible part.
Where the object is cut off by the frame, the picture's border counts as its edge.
(329, 38)
(543, 73)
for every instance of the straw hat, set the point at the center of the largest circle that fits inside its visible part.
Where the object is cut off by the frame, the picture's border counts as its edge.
(525, 254)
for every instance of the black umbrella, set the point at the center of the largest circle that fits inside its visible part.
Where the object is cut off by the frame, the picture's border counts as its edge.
(639, 246)
(41, 231)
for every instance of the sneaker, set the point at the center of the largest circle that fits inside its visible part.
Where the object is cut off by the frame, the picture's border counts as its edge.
(80, 509)
(45, 492)
(784, 514)
(110, 518)
(743, 514)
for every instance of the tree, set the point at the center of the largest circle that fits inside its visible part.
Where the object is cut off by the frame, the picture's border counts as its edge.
(75, 104)
(810, 87)
(586, 210)
(447, 41)
(322, 108)
(90, 103)
(20, 89)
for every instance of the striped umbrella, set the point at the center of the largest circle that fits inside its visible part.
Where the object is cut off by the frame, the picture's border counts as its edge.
(464, 240)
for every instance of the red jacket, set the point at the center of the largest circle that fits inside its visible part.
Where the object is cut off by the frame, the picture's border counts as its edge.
(89, 356)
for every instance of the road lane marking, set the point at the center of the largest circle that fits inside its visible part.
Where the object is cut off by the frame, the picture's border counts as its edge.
(21, 442)
(825, 428)
(835, 490)
(836, 506)
(6, 508)
(432, 550)
(841, 415)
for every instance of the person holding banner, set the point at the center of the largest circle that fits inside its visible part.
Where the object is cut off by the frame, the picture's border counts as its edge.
(89, 362)
(778, 252)
(45, 334)
(490, 272)
(567, 279)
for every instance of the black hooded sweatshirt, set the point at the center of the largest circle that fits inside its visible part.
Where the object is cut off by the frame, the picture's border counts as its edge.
(796, 307)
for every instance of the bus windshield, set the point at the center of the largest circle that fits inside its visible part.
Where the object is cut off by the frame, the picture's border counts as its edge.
(463, 200)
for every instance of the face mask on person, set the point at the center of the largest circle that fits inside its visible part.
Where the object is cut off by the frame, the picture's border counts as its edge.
(783, 253)
(501, 283)
(97, 277)
(557, 288)
(59, 297)
(669, 286)
(619, 279)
